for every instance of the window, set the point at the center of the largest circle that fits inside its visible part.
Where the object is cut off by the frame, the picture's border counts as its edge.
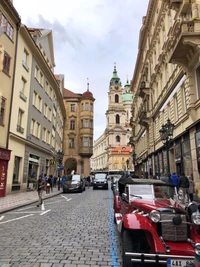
(86, 142)
(16, 170)
(91, 124)
(32, 126)
(37, 131)
(82, 107)
(116, 99)
(44, 134)
(86, 123)
(6, 63)
(41, 79)
(168, 111)
(73, 108)
(34, 99)
(117, 119)
(9, 30)
(117, 138)
(20, 115)
(86, 106)
(198, 80)
(48, 137)
(71, 142)
(72, 125)
(36, 72)
(91, 107)
(47, 88)
(45, 110)
(184, 100)
(23, 85)
(176, 107)
(49, 115)
(2, 110)
(51, 93)
(39, 103)
(25, 60)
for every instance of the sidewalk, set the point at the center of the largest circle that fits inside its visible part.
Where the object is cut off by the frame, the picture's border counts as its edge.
(17, 200)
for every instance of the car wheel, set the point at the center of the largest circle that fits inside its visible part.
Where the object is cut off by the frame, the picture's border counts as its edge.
(93, 188)
(129, 244)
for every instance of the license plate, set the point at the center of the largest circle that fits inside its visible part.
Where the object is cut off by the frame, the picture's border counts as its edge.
(181, 263)
(100, 186)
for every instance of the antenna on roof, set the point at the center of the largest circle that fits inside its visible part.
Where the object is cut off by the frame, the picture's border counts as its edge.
(88, 84)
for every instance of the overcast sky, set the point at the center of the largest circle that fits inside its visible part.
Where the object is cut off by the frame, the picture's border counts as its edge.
(89, 36)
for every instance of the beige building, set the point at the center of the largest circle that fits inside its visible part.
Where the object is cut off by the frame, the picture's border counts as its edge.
(166, 83)
(118, 130)
(78, 132)
(9, 27)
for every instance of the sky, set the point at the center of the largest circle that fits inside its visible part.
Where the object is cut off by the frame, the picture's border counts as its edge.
(89, 36)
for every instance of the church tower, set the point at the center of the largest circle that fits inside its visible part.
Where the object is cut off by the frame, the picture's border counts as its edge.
(116, 132)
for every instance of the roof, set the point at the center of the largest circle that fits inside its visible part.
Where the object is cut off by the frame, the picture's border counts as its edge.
(69, 94)
(88, 94)
(122, 149)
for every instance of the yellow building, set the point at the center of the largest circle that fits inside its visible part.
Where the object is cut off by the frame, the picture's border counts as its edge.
(119, 158)
(78, 132)
(166, 84)
(9, 27)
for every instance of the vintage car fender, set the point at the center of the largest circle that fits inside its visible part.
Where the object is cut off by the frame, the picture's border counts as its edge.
(134, 221)
(117, 204)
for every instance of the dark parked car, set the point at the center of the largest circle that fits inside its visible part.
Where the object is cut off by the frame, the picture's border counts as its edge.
(100, 181)
(74, 183)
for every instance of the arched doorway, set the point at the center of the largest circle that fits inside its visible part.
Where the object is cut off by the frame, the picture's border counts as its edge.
(70, 165)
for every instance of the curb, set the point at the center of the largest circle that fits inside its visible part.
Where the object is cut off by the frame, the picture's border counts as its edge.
(27, 203)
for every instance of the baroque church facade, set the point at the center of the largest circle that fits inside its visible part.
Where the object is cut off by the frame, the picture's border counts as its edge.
(111, 149)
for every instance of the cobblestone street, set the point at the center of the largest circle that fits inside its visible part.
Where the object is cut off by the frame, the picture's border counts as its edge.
(73, 230)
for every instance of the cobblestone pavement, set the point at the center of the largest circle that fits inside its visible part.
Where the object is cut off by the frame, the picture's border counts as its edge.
(73, 230)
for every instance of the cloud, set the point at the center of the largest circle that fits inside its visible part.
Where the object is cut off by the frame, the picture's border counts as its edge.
(89, 36)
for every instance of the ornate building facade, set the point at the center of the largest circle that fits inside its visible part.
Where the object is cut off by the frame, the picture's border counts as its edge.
(78, 132)
(166, 86)
(118, 130)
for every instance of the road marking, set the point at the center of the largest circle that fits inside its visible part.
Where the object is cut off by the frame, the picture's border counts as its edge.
(45, 212)
(1, 218)
(15, 212)
(69, 199)
(64, 197)
(17, 218)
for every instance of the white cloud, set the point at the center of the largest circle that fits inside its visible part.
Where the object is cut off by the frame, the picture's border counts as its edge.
(89, 36)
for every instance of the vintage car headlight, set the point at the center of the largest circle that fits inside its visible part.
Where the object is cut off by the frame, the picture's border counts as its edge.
(154, 215)
(195, 217)
(197, 248)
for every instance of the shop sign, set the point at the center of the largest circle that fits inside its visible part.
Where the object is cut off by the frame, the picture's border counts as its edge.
(4, 154)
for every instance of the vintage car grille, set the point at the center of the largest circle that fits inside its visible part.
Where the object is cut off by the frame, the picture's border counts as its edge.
(172, 232)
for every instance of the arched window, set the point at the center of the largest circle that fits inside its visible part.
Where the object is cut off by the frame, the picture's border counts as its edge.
(117, 119)
(117, 138)
(116, 99)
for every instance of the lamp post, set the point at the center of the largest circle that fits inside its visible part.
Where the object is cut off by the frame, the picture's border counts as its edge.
(166, 133)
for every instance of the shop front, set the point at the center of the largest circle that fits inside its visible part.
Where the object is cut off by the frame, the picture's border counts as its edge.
(4, 159)
(178, 158)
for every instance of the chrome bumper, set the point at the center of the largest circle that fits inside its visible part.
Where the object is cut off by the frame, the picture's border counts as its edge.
(156, 258)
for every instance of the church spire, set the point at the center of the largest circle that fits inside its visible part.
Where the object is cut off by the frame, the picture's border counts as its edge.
(115, 79)
(88, 85)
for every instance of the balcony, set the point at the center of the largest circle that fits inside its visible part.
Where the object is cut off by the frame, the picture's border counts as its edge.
(20, 129)
(144, 89)
(144, 118)
(184, 41)
(86, 152)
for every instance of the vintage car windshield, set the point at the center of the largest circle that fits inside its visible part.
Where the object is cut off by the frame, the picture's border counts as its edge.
(149, 191)
(141, 190)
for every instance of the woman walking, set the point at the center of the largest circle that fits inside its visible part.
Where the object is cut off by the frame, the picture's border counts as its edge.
(191, 189)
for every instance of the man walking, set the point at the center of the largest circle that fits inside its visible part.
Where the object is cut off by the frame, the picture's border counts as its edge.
(40, 187)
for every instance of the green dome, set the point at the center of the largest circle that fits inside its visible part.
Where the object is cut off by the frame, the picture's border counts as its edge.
(115, 79)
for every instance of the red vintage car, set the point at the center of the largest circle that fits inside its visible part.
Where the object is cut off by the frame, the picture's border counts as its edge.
(156, 229)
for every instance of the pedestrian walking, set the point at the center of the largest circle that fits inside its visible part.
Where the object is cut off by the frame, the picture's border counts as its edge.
(174, 181)
(88, 181)
(191, 189)
(51, 184)
(48, 185)
(40, 187)
(183, 185)
(58, 182)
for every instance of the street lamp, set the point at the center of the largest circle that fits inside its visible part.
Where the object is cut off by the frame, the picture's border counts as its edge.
(127, 163)
(166, 133)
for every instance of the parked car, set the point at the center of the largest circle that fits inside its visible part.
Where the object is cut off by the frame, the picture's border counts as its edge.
(74, 183)
(114, 186)
(155, 228)
(100, 181)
